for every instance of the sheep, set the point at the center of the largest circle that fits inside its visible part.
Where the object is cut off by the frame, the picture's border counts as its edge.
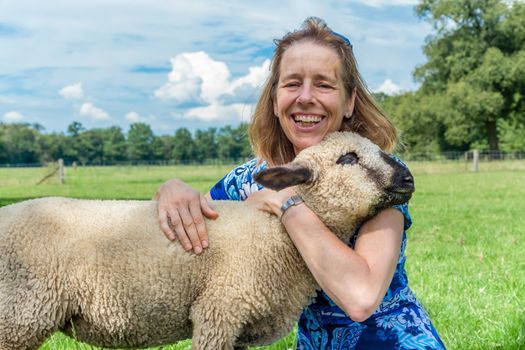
(103, 272)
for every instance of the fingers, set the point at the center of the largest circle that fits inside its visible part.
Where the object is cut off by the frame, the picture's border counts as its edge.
(182, 211)
(207, 210)
(187, 232)
(196, 212)
(187, 226)
(164, 224)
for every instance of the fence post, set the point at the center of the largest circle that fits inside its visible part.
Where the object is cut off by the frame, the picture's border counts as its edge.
(61, 170)
(475, 160)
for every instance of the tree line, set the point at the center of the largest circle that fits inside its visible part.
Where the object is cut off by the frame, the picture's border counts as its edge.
(28, 144)
(471, 96)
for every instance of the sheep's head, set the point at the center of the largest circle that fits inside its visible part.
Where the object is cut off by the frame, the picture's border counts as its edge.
(345, 179)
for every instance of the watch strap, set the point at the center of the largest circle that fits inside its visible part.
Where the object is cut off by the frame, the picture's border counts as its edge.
(290, 202)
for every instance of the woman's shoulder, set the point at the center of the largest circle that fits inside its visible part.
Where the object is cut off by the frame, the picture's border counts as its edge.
(238, 184)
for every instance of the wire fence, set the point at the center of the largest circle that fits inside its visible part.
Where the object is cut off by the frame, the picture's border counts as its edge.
(463, 156)
(218, 162)
(483, 156)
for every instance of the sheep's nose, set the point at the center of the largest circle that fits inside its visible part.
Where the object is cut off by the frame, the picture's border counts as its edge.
(408, 181)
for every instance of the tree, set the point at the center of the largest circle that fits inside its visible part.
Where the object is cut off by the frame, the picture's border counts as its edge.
(115, 147)
(75, 128)
(414, 114)
(4, 156)
(183, 146)
(140, 141)
(52, 146)
(205, 144)
(233, 144)
(476, 62)
(163, 147)
(20, 142)
(90, 146)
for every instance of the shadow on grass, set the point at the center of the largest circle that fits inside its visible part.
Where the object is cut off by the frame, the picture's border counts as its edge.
(7, 201)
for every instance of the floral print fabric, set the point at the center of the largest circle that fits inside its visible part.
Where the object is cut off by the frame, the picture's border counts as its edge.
(400, 322)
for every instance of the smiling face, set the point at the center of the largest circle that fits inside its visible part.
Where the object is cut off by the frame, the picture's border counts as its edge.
(310, 99)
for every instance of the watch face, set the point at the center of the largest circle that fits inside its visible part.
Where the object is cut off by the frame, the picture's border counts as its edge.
(293, 200)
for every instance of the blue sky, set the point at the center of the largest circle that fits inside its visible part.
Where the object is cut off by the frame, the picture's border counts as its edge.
(178, 63)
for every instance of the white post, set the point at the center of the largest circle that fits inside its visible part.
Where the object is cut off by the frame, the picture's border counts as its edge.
(61, 170)
(475, 160)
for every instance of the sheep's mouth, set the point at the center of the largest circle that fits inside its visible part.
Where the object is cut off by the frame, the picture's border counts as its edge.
(399, 195)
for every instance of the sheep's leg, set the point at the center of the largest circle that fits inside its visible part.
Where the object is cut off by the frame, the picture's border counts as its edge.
(214, 328)
(18, 330)
(29, 311)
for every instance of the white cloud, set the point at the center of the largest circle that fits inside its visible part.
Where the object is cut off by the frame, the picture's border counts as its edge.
(72, 92)
(134, 117)
(13, 116)
(196, 77)
(255, 77)
(215, 111)
(88, 109)
(388, 87)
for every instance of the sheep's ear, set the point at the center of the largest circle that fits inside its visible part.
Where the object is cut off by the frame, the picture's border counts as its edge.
(284, 176)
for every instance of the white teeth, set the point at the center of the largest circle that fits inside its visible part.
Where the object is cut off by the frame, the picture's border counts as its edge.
(307, 118)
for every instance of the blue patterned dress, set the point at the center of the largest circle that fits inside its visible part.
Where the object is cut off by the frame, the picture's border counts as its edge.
(399, 322)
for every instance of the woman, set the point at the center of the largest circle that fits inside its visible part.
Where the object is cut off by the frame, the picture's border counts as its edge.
(314, 88)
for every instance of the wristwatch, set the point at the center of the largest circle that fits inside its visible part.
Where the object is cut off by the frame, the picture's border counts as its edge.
(290, 202)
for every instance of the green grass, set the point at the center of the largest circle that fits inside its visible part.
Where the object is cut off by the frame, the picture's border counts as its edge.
(122, 182)
(465, 254)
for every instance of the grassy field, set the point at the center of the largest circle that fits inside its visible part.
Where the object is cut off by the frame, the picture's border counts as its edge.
(465, 255)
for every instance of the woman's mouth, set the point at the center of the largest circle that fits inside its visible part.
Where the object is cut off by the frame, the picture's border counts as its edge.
(306, 120)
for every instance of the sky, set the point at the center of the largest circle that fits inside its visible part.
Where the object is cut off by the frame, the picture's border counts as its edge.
(178, 63)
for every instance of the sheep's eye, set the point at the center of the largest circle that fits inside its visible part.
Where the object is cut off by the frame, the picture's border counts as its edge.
(349, 158)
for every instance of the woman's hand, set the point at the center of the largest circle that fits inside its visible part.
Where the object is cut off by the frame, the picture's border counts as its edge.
(183, 207)
(270, 201)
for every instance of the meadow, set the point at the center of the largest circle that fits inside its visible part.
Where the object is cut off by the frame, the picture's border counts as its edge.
(465, 254)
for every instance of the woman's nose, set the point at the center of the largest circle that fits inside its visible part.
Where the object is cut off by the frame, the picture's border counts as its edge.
(305, 95)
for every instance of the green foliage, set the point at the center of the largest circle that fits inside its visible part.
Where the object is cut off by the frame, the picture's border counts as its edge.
(183, 146)
(19, 143)
(163, 147)
(232, 143)
(205, 144)
(140, 141)
(513, 134)
(75, 128)
(415, 115)
(114, 144)
(24, 143)
(476, 67)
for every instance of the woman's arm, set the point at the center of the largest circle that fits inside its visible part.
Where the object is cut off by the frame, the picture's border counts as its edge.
(355, 279)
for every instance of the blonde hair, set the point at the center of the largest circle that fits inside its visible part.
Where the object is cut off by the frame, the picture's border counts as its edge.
(266, 135)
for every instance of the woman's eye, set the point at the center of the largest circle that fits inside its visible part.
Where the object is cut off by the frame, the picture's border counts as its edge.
(349, 158)
(325, 86)
(291, 84)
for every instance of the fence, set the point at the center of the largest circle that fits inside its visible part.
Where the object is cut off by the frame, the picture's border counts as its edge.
(463, 156)
(469, 156)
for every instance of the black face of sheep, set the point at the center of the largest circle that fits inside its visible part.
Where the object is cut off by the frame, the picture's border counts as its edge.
(345, 173)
